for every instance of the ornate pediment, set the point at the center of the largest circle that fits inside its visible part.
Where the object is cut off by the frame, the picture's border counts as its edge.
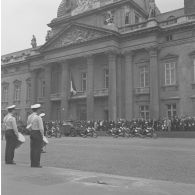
(17, 82)
(75, 34)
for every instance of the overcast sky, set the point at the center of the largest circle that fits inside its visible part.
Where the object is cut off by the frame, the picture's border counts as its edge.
(21, 19)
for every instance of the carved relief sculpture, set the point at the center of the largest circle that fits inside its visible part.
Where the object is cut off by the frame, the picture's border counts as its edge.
(76, 35)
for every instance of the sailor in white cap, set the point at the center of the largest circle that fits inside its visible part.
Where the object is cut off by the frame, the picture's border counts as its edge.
(42, 116)
(11, 134)
(35, 124)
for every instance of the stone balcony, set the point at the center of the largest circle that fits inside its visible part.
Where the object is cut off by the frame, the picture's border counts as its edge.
(101, 92)
(142, 90)
(55, 96)
(79, 95)
(97, 93)
(40, 99)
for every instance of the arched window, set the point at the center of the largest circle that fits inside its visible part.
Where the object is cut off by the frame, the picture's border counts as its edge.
(171, 20)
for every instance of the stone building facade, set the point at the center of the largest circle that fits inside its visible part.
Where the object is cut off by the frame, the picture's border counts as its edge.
(105, 60)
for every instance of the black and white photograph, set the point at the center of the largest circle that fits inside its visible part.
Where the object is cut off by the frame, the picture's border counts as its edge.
(98, 97)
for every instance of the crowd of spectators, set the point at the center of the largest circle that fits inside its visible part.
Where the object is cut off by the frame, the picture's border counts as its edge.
(74, 126)
(174, 124)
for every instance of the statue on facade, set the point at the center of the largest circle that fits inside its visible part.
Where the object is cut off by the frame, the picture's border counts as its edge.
(152, 9)
(109, 18)
(34, 42)
(48, 36)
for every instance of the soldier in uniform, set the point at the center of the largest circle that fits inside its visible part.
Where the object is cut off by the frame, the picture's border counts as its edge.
(35, 124)
(44, 125)
(11, 135)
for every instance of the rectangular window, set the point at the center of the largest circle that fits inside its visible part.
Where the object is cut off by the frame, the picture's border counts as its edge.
(28, 92)
(55, 80)
(170, 73)
(144, 112)
(169, 37)
(28, 112)
(5, 94)
(84, 81)
(106, 78)
(137, 18)
(127, 18)
(17, 116)
(171, 110)
(17, 92)
(144, 77)
(43, 89)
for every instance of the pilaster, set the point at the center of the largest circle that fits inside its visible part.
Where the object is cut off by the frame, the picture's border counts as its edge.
(47, 92)
(65, 90)
(129, 86)
(154, 84)
(90, 87)
(34, 86)
(112, 96)
(119, 87)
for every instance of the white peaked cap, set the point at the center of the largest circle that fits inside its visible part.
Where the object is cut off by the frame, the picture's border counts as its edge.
(35, 106)
(42, 115)
(11, 107)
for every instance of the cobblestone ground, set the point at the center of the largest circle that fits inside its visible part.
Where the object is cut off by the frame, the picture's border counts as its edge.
(158, 159)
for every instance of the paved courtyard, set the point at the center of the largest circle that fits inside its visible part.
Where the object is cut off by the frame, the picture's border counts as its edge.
(105, 166)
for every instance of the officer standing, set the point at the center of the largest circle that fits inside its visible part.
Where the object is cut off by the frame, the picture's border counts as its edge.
(42, 115)
(11, 134)
(35, 124)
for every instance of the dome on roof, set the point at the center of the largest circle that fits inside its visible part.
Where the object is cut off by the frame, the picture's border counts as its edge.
(65, 7)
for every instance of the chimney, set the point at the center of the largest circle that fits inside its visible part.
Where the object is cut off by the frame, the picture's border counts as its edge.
(189, 7)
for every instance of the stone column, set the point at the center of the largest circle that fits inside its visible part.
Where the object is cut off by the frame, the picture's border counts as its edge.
(119, 87)
(154, 84)
(90, 88)
(129, 86)
(47, 92)
(65, 90)
(34, 87)
(112, 96)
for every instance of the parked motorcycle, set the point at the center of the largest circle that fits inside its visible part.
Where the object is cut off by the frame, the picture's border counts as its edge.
(54, 132)
(137, 132)
(120, 132)
(91, 132)
(148, 132)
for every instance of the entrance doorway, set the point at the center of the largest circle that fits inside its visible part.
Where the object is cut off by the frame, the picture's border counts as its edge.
(56, 110)
(82, 112)
(106, 116)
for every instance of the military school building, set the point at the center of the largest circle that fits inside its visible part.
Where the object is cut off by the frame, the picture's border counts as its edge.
(106, 60)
